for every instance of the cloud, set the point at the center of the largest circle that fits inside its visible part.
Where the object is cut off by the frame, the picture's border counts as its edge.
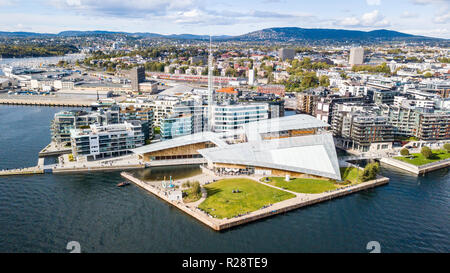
(369, 19)
(373, 2)
(130, 8)
(408, 14)
(443, 19)
(4, 3)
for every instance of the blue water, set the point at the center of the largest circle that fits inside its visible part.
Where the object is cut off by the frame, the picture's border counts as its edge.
(42, 213)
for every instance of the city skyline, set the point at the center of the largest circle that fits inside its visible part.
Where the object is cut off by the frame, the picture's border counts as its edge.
(419, 17)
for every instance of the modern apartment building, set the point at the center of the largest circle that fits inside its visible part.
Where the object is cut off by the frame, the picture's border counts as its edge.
(404, 120)
(176, 126)
(384, 96)
(425, 124)
(231, 117)
(307, 102)
(104, 141)
(325, 106)
(361, 128)
(64, 121)
(187, 117)
(434, 126)
(144, 115)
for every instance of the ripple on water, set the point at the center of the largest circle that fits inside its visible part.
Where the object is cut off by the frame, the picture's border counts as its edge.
(42, 213)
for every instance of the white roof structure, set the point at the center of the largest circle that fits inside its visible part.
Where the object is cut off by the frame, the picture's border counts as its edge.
(311, 154)
(181, 141)
(176, 90)
(253, 130)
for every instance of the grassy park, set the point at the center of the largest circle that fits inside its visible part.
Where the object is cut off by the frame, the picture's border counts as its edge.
(419, 159)
(351, 174)
(303, 185)
(248, 196)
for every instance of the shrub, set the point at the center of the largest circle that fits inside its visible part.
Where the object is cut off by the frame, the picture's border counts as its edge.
(404, 152)
(426, 152)
(447, 147)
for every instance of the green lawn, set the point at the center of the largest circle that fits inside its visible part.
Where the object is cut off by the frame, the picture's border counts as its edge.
(351, 174)
(221, 202)
(303, 185)
(418, 159)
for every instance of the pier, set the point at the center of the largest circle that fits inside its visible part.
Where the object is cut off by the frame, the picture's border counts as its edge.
(45, 102)
(301, 200)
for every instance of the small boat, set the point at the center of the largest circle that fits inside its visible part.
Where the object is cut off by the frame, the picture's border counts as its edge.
(124, 183)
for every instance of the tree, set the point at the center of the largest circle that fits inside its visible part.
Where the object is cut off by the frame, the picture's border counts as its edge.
(324, 81)
(426, 152)
(447, 147)
(428, 75)
(404, 152)
(196, 188)
(370, 172)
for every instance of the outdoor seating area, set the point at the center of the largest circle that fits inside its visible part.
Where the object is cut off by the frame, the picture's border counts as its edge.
(233, 171)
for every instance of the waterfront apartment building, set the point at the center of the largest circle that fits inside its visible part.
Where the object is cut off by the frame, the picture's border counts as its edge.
(404, 120)
(137, 76)
(231, 117)
(425, 124)
(105, 141)
(434, 126)
(64, 121)
(361, 128)
(356, 56)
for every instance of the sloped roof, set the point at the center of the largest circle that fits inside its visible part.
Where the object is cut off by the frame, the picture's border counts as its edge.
(181, 141)
(312, 154)
(253, 130)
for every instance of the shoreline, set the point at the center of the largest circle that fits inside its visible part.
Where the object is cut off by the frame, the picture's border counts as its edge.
(301, 200)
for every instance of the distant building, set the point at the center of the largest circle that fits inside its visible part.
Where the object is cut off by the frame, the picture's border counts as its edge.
(306, 103)
(227, 93)
(137, 76)
(276, 89)
(326, 105)
(231, 117)
(356, 56)
(286, 53)
(251, 77)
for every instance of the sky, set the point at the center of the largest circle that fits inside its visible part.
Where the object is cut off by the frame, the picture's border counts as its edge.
(230, 17)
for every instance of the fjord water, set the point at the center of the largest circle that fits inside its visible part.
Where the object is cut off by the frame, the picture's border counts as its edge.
(42, 213)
